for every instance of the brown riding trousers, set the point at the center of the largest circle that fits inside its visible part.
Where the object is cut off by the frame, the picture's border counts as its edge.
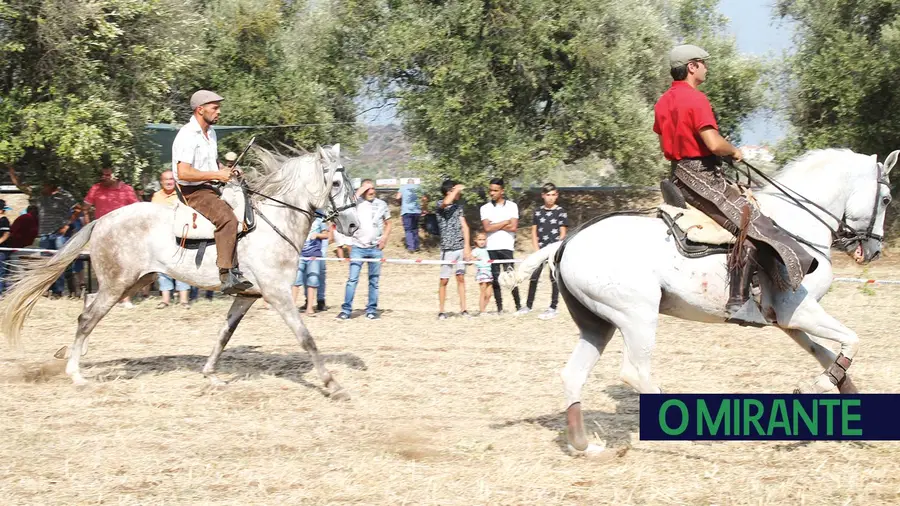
(206, 201)
(704, 186)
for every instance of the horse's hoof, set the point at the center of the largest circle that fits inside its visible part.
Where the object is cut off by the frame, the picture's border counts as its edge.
(79, 382)
(214, 381)
(847, 387)
(62, 353)
(340, 395)
(592, 450)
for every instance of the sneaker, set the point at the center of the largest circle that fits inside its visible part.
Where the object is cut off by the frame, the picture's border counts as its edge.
(548, 314)
(465, 314)
(442, 316)
(320, 306)
(523, 310)
(342, 316)
(372, 316)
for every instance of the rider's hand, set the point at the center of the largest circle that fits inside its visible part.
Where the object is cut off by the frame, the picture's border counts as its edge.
(737, 155)
(223, 175)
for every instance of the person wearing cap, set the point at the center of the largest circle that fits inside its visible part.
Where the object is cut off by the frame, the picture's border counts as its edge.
(689, 138)
(195, 165)
(230, 158)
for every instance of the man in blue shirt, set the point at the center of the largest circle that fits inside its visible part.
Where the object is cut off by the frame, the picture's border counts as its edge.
(410, 210)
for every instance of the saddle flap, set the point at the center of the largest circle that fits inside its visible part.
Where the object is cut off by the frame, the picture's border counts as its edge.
(190, 224)
(697, 226)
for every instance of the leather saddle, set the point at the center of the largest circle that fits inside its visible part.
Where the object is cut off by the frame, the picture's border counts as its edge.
(696, 234)
(192, 230)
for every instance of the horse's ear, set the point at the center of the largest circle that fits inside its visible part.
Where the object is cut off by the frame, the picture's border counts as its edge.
(336, 149)
(890, 161)
(321, 152)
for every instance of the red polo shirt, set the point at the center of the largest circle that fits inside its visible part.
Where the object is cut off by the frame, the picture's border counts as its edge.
(106, 200)
(680, 113)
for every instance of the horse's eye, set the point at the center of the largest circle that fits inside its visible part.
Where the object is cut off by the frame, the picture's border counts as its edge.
(886, 201)
(336, 184)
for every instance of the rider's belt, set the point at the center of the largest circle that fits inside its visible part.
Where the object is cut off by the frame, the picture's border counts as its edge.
(712, 163)
(187, 190)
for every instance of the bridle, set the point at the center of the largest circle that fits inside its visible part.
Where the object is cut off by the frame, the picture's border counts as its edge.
(335, 210)
(844, 236)
(312, 212)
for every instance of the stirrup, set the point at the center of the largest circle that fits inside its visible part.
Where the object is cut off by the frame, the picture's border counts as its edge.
(748, 315)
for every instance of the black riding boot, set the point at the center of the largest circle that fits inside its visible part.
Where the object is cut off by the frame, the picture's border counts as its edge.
(233, 281)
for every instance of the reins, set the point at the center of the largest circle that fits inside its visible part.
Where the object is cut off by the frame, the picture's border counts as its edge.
(312, 213)
(844, 235)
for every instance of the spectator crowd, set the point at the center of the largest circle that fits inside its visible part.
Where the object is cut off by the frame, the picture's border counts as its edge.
(55, 215)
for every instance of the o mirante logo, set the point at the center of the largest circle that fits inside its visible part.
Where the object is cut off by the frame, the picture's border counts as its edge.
(769, 417)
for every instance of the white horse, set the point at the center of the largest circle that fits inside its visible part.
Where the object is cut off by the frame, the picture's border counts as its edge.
(130, 245)
(622, 272)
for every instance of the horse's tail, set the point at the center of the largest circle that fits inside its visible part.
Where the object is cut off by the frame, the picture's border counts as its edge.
(513, 278)
(31, 281)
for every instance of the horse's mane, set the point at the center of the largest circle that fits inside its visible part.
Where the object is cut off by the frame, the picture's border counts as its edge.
(811, 165)
(277, 174)
(811, 162)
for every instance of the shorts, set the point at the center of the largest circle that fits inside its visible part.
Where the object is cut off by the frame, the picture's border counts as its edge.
(484, 277)
(448, 269)
(167, 284)
(308, 273)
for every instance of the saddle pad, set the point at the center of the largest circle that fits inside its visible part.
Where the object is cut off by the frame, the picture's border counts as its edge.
(698, 227)
(190, 224)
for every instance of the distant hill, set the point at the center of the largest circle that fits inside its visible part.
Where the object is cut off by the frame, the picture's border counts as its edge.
(385, 154)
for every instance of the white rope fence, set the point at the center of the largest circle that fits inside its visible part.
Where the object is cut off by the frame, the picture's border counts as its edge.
(424, 261)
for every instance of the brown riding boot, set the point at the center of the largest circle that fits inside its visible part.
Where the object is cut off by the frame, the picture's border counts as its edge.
(740, 307)
(739, 284)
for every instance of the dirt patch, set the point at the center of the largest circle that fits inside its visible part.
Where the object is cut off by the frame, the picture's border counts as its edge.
(460, 411)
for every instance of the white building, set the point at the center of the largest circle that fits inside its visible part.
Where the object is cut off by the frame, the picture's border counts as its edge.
(759, 153)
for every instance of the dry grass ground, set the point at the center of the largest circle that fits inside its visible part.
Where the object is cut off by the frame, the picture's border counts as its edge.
(443, 412)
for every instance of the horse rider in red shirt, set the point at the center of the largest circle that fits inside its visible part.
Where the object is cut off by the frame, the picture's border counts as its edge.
(689, 138)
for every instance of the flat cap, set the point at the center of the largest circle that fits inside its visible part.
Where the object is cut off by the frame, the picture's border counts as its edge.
(230, 156)
(681, 55)
(204, 97)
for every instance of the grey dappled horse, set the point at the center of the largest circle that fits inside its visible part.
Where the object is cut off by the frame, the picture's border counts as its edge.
(130, 245)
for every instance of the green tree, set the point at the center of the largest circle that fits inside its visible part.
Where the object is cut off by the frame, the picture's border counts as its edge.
(841, 81)
(516, 88)
(277, 63)
(80, 80)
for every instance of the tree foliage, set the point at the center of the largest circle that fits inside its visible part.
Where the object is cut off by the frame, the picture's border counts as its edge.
(517, 88)
(512, 88)
(278, 63)
(841, 81)
(79, 80)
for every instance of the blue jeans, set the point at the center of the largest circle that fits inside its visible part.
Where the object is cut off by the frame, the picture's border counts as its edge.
(4, 257)
(54, 241)
(194, 293)
(167, 284)
(411, 226)
(374, 274)
(320, 293)
(309, 274)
